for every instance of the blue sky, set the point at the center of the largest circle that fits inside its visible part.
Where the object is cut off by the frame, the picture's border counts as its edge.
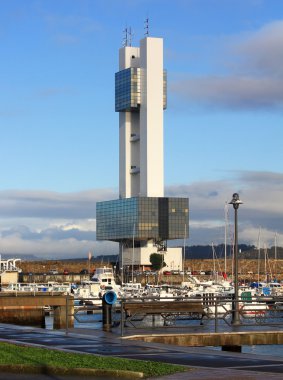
(59, 132)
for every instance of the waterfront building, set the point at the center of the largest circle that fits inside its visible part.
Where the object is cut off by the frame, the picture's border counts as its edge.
(142, 220)
(9, 272)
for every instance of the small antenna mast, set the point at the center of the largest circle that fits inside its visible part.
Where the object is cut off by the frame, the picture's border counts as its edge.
(130, 36)
(146, 27)
(127, 39)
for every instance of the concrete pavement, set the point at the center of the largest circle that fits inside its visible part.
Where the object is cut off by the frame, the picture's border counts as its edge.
(205, 363)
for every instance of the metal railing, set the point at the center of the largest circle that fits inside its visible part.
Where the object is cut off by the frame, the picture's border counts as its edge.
(255, 313)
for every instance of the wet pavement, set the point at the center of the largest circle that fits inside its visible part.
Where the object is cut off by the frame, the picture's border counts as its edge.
(41, 376)
(206, 363)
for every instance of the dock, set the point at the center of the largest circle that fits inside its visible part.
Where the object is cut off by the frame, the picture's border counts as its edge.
(229, 341)
(27, 308)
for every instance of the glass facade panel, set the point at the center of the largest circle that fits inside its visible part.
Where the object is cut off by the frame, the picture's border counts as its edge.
(128, 89)
(142, 218)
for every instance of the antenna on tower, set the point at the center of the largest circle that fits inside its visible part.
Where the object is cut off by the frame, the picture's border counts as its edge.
(146, 27)
(128, 34)
(125, 37)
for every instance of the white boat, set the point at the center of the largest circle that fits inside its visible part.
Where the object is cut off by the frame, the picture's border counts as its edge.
(37, 287)
(249, 307)
(222, 310)
(132, 287)
(91, 292)
(253, 310)
(105, 277)
(132, 290)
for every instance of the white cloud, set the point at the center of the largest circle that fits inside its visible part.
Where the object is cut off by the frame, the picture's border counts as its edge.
(262, 51)
(254, 80)
(33, 222)
(45, 223)
(233, 92)
(82, 225)
(47, 204)
(49, 248)
(262, 195)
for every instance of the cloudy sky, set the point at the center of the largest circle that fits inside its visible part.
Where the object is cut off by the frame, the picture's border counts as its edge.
(59, 132)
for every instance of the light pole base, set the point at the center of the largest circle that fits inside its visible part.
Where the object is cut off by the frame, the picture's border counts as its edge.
(235, 319)
(235, 312)
(236, 322)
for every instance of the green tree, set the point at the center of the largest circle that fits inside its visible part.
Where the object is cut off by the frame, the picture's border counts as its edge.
(157, 261)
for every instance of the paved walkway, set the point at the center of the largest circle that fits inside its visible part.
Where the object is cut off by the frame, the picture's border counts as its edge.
(205, 363)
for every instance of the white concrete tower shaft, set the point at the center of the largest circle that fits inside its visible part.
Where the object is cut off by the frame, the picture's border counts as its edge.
(141, 157)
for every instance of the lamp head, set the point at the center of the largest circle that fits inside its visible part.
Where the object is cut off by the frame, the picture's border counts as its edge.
(235, 201)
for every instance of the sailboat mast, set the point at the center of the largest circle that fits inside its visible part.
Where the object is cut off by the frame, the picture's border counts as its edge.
(275, 254)
(225, 238)
(133, 252)
(122, 263)
(265, 259)
(213, 257)
(258, 258)
(184, 256)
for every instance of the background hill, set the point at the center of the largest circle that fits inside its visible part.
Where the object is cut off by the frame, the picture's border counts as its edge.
(191, 252)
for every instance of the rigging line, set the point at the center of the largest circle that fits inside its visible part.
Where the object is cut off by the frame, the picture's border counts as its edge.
(268, 262)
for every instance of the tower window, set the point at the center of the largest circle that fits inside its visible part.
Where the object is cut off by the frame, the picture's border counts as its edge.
(133, 57)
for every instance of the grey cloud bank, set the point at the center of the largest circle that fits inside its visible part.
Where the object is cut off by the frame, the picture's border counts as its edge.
(47, 204)
(233, 92)
(63, 224)
(262, 51)
(255, 82)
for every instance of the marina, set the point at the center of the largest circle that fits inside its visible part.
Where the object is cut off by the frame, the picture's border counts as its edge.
(198, 310)
(139, 311)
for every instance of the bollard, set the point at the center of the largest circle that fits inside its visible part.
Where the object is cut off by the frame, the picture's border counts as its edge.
(108, 299)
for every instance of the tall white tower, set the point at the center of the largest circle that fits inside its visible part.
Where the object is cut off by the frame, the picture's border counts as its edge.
(140, 100)
(142, 219)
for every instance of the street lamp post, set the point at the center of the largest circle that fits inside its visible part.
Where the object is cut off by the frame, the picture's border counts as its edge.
(235, 315)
